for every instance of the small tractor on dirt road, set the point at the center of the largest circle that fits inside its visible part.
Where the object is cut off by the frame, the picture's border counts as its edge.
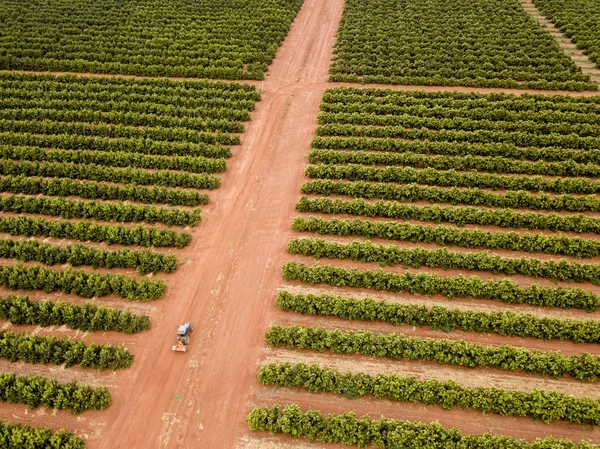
(183, 337)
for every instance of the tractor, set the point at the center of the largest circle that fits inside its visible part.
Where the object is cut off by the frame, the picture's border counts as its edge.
(183, 337)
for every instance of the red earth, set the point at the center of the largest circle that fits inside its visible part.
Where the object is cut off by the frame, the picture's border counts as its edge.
(227, 290)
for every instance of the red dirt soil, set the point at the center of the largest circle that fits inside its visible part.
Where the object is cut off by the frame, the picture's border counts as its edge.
(226, 289)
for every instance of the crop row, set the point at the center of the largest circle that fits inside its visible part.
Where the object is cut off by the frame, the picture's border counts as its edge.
(561, 270)
(464, 163)
(101, 191)
(575, 18)
(117, 117)
(514, 199)
(104, 130)
(400, 121)
(477, 136)
(99, 173)
(67, 208)
(143, 262)
(452, 178)
(34, 391)
(503, 322)
(503, 289)
(363, 432)
(59, 351)
(80, 283)
(135, 145)
(537, 404)
(475, 108)
(238, 40)
(86, 231)
(37, 437)
(491, 149)
(504, 218)
(195, 164)
(87, 317)
(584, 367)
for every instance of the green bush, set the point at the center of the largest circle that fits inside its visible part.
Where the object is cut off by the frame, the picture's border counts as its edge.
(554, 364)
(504, 290)
(87, 317)
(507, 323)
(37, 437)
(537, 404)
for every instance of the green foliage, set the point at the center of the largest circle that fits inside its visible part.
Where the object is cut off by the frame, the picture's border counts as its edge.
(562, 270)
(452, 178)
(80, 283)
(576, 18)
(101, 191)
(537, 404)
(481, 43)
(554, 364)
(87, 317)
(85, 231)
(18, 435)
(471, 196)
(62, 351)
(68, 208)
(35, 391)
(386, 433)
(146, 37)
(504, 289)
(504, 218)
(435, 317)
(143, 261)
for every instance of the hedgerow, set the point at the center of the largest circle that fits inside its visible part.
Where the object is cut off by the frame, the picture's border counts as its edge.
(38, 437)
(554, 364)
(504, 218)
(86, 231)
(35, 391)
(561, 270)
(62, 351)
(503, 289)
(471, 196)
(80, 283)
(386, 433)
(143, 261)
(501, 322)
(87, 317)
(67, 208)
(537, 404)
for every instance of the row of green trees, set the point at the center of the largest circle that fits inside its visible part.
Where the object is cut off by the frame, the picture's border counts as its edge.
(451, 148)
(86, 231)
(452, 178)
(504, 289)
(554, 364)
(93, 190)
(463, 215)
(109, 130)
(62, 351)
(536, 404)
(399, 120)
(562, 270)
(80, 283)
(504, 322)
(94, 172)
(363, 432)
(35, 391)
(136, 144)
(465, 163)
(514, 199)
(87, 317)
(18, 435)
(68, 208)
(144, 261)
